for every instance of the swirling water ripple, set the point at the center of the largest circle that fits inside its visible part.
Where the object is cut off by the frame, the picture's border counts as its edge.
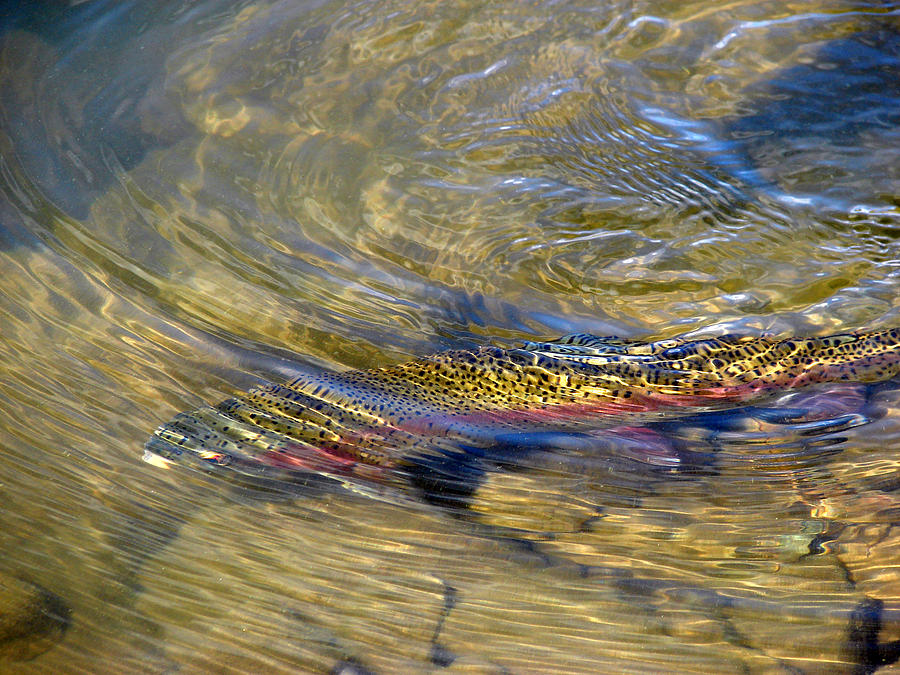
(196, 198)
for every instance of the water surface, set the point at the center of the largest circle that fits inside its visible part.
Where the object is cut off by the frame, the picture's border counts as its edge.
(198, 198)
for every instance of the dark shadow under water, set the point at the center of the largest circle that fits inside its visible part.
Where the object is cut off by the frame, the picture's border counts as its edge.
(818, 130)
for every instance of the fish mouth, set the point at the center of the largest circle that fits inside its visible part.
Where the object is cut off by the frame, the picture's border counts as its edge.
(156, 460)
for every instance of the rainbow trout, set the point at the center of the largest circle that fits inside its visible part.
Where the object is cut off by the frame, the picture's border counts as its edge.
(386, 427)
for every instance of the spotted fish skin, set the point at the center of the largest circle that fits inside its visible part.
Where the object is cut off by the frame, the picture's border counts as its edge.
(367, 424)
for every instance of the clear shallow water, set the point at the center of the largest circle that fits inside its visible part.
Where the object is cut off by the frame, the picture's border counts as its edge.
(196, 200)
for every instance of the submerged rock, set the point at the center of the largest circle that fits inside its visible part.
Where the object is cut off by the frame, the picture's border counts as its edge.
(32, 619)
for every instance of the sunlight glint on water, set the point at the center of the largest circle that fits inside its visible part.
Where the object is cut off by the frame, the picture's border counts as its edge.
(198, 198)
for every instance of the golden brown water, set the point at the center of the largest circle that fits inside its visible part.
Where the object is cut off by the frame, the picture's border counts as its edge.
(197, 199)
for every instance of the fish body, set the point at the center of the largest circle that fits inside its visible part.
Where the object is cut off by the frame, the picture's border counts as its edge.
(371, 425)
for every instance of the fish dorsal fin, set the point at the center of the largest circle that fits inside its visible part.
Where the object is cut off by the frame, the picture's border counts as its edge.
(585, 344)
(600, 350)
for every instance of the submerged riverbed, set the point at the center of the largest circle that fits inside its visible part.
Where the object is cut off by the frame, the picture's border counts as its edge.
(199, 198)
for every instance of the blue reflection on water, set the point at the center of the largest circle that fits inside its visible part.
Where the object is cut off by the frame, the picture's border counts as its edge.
(92, 73)
(816, 128)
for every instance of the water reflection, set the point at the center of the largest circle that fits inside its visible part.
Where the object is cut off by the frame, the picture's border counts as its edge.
(199, 198)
